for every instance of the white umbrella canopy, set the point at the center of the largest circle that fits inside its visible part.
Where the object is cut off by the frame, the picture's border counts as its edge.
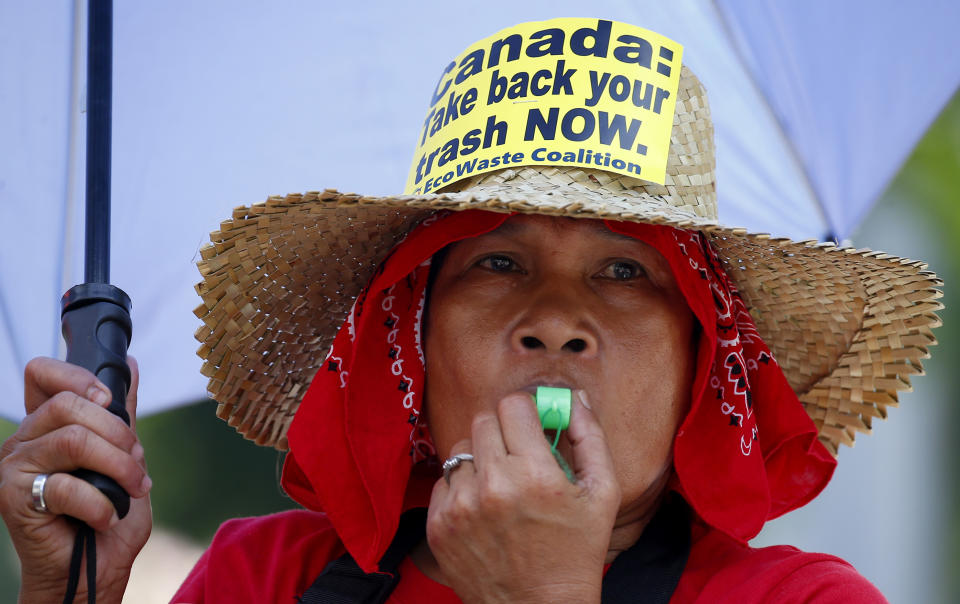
(222, 103)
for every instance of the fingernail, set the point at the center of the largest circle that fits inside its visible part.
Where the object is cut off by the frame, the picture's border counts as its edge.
(145, 484)
(99, 394)
(137, 452)
(114, 520)
(582, 397)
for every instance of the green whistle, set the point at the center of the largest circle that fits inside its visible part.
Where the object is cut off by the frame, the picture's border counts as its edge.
(553, 406)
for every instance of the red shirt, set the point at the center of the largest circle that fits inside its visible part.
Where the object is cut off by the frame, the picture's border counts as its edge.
(276, 558)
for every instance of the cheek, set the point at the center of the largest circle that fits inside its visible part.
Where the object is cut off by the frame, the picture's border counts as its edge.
(452, 351)
(657, 358)
(655, 365)
(455, 364)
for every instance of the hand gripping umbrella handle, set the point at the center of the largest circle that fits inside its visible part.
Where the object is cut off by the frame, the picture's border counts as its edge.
(97, 329)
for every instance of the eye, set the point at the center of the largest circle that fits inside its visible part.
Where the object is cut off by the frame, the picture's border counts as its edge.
(623, 270)
(498, 263)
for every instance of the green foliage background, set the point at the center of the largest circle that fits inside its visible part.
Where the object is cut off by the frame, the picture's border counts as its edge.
(930, 180)
(204, 473)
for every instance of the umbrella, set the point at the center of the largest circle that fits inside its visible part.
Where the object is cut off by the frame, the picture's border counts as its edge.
(223, 103)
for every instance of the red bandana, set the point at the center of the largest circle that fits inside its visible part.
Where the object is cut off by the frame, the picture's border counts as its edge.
(745, 453)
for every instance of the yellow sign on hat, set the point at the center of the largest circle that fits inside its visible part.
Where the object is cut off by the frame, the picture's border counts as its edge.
(572, 92)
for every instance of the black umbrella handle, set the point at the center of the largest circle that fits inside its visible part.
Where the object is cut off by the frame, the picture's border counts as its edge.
(97, 329)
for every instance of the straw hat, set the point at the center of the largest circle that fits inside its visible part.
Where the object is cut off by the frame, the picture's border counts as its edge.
(848, 327)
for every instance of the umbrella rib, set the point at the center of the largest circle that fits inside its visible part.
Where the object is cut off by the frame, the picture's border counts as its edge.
(781, 130)
(11, 336)
(63, 282)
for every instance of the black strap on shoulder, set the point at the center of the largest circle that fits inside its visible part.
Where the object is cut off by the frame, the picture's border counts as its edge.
(650, 570)
(647, 572)
(342, 581)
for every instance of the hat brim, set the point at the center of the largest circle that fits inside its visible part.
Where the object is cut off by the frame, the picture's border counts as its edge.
(848, 327)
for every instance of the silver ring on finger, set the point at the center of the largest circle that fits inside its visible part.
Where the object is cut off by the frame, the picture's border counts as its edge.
(36, 493)
(453, 462)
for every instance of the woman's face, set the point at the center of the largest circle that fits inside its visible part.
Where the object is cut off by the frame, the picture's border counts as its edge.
(564, 302)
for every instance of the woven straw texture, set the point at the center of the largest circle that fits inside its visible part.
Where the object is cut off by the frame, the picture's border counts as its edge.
(848, 327)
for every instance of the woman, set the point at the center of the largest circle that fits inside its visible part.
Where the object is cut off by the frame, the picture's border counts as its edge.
(686, 434)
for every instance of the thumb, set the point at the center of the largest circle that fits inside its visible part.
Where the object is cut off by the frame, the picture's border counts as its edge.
(592, 461)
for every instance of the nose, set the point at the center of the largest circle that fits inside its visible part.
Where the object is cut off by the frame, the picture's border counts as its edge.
(556, 322)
